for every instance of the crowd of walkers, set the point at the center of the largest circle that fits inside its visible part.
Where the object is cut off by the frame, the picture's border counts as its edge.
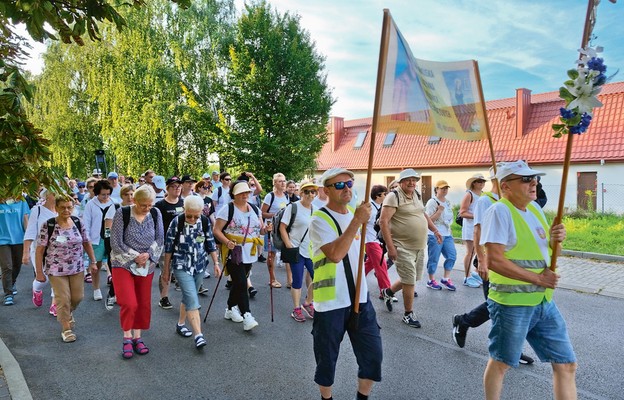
(123, 231)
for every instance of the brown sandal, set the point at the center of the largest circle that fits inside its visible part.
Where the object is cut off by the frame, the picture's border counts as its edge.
(276, 284)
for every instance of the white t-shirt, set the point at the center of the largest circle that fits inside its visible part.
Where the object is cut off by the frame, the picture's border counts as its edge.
(371, 235)
(93, 218)
(483, 203)
(278, 202)
(223, 200)
(299, 227)
(116, 194)
(498, 228)
(322, 233)
(318, 202)
(443, 223)
(238, 227)
(39, 215)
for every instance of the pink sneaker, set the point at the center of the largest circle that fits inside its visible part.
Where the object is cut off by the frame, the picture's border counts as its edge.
(53, 310)
(37, 298)
(298, 315)
(309, 309)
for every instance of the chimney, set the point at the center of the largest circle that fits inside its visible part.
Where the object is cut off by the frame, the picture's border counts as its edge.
(523, 110)
(336, 127)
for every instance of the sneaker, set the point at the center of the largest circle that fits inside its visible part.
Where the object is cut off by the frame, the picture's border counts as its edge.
(52, 310)
(381, 297)
(471, 282)
(200, 341)
(37, 298)
(387, 300)
(202, 290)
(448, 284)
(526, 360)
(228, 285)
(206, 275)
(109, 280)
(459, 334)
(261, 258)
(177, 287)
(297, 315)
(8, 300)
(476, 277)
(14, 290)
(415, 294)
(109, 304)
(309, 309)
(97, 295)
(233, 314)
(252, 292)
(165, 304)
(249, 322)
(432, 284)
(411, 320)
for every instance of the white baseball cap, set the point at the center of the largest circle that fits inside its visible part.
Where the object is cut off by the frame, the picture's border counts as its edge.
(519, 167)
(159, 182)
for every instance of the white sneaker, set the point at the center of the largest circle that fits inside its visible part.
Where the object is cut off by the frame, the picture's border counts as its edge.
(206, 274)
(233, 314)
(97, 294)
(249, 322)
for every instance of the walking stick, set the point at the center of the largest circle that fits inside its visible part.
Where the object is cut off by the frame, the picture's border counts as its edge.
(270, 260)
(214, 293)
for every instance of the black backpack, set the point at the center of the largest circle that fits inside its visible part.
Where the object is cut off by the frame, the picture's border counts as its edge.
(51, 223)
(278, 242)
(104, 211)
(125, 213)
(376, 225)
(459, 220)
(231, 216)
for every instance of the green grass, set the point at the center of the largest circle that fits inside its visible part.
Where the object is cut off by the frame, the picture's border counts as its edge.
(588, 232)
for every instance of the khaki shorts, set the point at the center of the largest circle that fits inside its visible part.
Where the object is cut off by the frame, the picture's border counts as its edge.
(410, 265)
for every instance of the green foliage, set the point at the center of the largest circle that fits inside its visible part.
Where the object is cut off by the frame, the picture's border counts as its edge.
(276, 100)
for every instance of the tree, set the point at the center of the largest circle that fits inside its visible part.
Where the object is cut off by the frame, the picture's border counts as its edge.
(276, 99)
(24, 153)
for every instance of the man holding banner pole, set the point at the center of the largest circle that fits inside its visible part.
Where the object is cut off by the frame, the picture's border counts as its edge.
(519, 244)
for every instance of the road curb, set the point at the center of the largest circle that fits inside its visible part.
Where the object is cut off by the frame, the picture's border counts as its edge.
(13, 374)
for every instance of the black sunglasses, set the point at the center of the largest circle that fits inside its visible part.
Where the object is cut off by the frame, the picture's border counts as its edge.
(524, 179)
(341, 185)
(311, 191)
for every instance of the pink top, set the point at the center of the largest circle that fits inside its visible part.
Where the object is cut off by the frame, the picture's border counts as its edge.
(65, 250)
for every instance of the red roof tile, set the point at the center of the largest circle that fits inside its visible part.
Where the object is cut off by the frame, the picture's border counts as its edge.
(603, 140)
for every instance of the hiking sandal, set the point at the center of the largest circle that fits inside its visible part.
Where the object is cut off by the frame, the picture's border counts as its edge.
(139, 347)
(68, 336)
(126, 350)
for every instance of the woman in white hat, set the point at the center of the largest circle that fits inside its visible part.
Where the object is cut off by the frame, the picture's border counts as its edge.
(474, 188)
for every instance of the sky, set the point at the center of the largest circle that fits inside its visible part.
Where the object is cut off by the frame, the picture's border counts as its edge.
(517, 43)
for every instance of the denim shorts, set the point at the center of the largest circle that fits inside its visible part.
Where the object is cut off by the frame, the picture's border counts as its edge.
(542, 326)
(328, 331)
(189, 285)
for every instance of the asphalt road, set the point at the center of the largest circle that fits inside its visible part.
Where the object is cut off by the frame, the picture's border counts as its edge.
(275, 360)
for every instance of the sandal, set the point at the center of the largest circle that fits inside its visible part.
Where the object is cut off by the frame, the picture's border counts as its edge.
(139, 347)
(88, 278)
(276, 284)
(126, 350)
(200, 341)
(183, 331)
(68, 336)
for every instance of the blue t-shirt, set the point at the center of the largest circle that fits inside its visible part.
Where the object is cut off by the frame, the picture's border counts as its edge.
(12, 221)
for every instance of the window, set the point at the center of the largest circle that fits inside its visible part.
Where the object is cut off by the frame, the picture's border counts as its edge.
(434, 139)
(359, 142)
(389, 140)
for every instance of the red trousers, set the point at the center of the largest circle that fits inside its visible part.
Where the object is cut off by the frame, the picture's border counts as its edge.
(375, 260)
(134, 296)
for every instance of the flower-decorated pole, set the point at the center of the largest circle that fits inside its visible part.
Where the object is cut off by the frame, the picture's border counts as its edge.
(579, 93)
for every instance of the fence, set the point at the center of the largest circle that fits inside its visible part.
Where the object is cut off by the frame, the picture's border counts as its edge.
(607, 198)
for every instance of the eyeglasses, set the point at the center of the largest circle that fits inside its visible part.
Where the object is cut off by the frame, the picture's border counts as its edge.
(141, 180)
(282, 181)
(309, 191)
(341, 185)
(524, 179)
(193, 217)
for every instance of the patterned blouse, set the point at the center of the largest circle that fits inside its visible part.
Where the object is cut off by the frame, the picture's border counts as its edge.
(140, 237)
(189, 254)
(64, 256)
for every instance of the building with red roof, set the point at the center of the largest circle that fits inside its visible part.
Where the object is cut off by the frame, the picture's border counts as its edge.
(520, 128)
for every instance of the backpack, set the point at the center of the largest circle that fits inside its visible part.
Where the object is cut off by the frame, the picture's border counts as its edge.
(219, 194)
(205, 227)
(231, 216)
(459, 220)
(276, 235)
(377, 227)
(125, 213)
(51, 224)
(104, 211)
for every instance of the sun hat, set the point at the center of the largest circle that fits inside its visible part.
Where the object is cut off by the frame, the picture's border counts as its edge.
(307, 184)
(519, 167)
(408, 173)
(475, 177)
(159, 182)
(441, 184)
(334, 172)
(240, 187)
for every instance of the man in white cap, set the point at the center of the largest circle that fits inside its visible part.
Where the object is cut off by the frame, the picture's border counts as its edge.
(216, 183)
(519, 243)
(159, 184)
(97, 173)
(404, 224)
(480, 314)
(113, 179)
(335, 236)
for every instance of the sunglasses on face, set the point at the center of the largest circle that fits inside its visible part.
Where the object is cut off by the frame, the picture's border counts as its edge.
(227, 179)
(312, 191)
(341, 185)
(524, 179)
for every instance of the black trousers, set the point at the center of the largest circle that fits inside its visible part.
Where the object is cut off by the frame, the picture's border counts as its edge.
(238, 292)
(478, 315)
